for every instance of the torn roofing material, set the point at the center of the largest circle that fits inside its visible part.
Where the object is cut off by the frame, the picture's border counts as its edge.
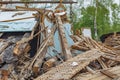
(14, 21)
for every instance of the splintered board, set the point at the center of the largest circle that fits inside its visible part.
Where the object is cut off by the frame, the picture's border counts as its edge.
(66, 70)
(115, 71)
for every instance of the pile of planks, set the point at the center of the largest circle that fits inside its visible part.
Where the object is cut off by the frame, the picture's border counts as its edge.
(16, 49)
(10, 52)
(86, 43)
(104, 74)
(99, 62)
(113, 41)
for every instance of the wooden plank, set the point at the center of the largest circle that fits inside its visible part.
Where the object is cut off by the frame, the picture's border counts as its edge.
(23, 47)
(102, 63)
(90, 70)
(41, 37)
(33, 9)
(17, 19)
(77, 47)
(39, 60)
(35, 2)
(112, 57)
(49, 64)
(67, 69)
(92, 44)
(38, 63)
(64, 45)
(30, 38)
(98, 75)
(41, 48)
(109, 74)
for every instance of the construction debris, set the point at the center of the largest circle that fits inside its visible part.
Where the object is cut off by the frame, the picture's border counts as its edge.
(113, 40)
(64, 45)
(86, 43)
(32, 53)
(66, 70)
(105, 74)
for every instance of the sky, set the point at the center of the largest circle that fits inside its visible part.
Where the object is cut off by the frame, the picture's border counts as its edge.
(117, 1)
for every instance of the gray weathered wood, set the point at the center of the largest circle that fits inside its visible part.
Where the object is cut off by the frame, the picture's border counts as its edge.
(64, 44)
(67, 69)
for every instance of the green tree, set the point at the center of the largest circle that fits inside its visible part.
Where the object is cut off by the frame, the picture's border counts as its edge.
(103, 20)
(115, 15)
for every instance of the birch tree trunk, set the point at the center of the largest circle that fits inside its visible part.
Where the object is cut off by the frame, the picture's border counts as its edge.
(95, 22)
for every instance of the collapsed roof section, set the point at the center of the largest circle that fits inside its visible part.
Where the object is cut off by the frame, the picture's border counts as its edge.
(17, 21)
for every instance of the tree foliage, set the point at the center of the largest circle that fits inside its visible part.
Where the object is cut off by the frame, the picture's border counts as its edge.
(106, 23)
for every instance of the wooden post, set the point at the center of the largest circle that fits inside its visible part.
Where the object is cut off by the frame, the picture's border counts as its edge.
(64, 45)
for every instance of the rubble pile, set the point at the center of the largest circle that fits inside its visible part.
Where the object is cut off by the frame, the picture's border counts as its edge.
(98, 61)
(113, 41)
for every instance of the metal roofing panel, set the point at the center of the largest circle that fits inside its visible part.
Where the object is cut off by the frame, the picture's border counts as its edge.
(18, 25)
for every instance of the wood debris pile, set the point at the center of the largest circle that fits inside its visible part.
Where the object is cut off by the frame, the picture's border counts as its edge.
(113, 41)
(15, 60)
(11, 53)
(98, 62)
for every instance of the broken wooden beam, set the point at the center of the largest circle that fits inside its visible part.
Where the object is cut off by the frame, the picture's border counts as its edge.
(112, 57)
(17, 19)
(98, 75)
(49, 64)
(31, 37)
(36, 2)
(77, 47)
(23, 47)
(109, 74)
(92, 44)
(33, 9)
(68, 69)
(90, 70)
(102, 63)
(40, 50)
(64, 44)
(38, 63)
